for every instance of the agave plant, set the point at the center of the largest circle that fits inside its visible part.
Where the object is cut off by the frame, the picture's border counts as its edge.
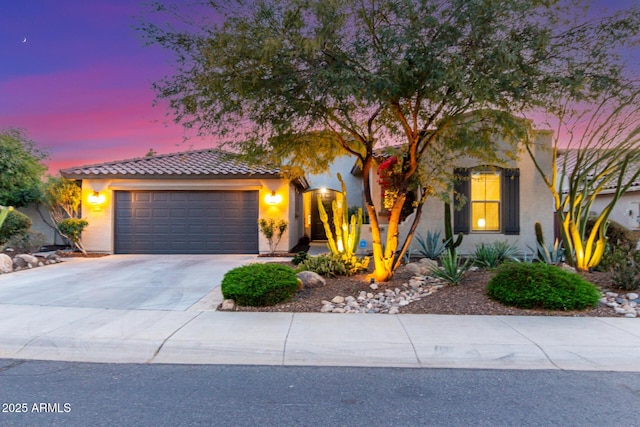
(430, 246)
(550, 255)
(491, 256)
(451, 270)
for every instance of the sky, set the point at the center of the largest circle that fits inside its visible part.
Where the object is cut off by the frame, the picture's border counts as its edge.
(77, 77)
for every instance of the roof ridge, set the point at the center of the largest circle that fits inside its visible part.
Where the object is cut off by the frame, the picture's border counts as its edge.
(134, 159)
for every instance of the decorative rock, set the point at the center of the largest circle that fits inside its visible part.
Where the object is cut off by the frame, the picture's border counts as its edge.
(327, 308)
(53, 257)
(311, 280)
(567, 267)
(338, 300)
(632, 295)
(413, 268)
(6, 264)
(428, 263)
(228, 304)
(19, 263)
(29, 259)
(373, 286)
(394, 310)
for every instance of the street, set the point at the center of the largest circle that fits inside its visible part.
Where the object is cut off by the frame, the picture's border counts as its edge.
(37, 393)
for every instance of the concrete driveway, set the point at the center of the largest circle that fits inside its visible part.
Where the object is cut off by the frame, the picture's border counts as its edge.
(126, 282)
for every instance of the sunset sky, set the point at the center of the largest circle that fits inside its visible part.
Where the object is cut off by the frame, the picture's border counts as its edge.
(80, 85)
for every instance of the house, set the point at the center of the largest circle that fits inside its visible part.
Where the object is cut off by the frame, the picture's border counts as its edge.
(503, 202)
(203, 202)
(195, 202)
(626, 211)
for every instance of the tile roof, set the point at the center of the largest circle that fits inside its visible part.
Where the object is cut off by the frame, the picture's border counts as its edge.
(197, 163)
(572, 158)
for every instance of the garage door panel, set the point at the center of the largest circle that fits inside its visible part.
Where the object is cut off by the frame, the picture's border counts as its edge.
(222, 222)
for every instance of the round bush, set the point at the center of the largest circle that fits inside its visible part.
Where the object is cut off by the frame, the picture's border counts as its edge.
(540, 285)
(15, 224)
(259, 284)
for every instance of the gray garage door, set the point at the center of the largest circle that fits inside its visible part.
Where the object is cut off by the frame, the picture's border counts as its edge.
(186, 222)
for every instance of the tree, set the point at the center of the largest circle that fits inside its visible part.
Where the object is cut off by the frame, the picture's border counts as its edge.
(20, 169)
(601, 136)
(63, 198)
(298, 82)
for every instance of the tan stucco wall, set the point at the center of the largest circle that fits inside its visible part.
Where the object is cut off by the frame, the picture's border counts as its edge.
(536, 204)
(99, 235)
(626, 212)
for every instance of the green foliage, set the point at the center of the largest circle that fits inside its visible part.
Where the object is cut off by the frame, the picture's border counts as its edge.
(259, 284)
(538, 285)
(623, 261)
(448, 231)
(550, 255)
(492, 255)
(4, 211)
(300, 257)
(29, 242)
(273, 231)
(452, 271)
(327, 265)
(20, 169)
(63, 198)
(431, 246)
(72, 229)
(15, 224)
(298, 83)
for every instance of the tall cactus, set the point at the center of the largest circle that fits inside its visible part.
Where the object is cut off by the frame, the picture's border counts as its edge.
(448, 231)
(347, 233)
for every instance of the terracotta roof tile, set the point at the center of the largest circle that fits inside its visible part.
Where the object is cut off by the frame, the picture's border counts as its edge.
(189, 163)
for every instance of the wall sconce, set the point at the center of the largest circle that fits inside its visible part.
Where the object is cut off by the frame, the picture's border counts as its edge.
(96, 198)
(273, 198)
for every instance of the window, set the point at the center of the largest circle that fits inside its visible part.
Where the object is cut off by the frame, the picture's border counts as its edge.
(485, 200)
(492, 200)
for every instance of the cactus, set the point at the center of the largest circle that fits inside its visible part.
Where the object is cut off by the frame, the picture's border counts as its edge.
(4, 211)
(347, 233)
(448, 231)
(540, 239)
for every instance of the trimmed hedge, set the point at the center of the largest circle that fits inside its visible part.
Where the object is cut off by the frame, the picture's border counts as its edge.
(539, 285)
(15, 224)
(259, 284)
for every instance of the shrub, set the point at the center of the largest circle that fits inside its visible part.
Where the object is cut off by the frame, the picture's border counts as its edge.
(72, 229)
(451, 270)
(540, 285)
(300, 257)
(273, 230)
(491, 256)
(15, 224)
(259, 284)
(430, 246)
(27, 243)
(624, 264)
(325, 265)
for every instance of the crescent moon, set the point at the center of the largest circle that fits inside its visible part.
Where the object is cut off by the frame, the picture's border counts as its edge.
(25, 40)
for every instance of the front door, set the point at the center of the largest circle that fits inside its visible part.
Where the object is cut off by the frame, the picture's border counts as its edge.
(317, 227)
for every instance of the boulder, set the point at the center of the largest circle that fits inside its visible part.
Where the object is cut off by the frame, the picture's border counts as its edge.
(19, 263)
(6, 264)
(311, 280)
(428, 263)
(413, 268)
(29, 259)
(228, 304)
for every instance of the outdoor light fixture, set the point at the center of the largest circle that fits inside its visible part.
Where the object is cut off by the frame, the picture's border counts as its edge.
(96, 198)
(273, 198)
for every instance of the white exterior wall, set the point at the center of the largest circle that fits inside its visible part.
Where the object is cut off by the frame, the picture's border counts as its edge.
(99, 235)
(626, 211)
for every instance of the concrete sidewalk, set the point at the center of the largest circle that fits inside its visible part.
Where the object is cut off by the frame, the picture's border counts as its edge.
(417, 341)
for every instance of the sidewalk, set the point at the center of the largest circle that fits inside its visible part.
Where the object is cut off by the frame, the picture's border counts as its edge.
(416, 341)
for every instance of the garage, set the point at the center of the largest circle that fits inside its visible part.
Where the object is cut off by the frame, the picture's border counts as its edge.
(186, 222)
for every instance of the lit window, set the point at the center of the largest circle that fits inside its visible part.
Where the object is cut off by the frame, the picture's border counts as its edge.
(485, 201)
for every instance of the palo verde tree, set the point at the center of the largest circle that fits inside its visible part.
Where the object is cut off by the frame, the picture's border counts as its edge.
(596, 149)
(20, 169)
(299, 82)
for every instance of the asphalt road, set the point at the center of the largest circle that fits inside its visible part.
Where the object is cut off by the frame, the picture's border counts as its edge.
(34, 393)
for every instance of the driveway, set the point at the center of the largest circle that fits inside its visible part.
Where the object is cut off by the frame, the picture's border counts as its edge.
(127, 282)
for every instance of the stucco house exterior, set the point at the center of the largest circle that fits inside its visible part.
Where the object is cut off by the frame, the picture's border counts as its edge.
(626, 211)
(195, 202)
